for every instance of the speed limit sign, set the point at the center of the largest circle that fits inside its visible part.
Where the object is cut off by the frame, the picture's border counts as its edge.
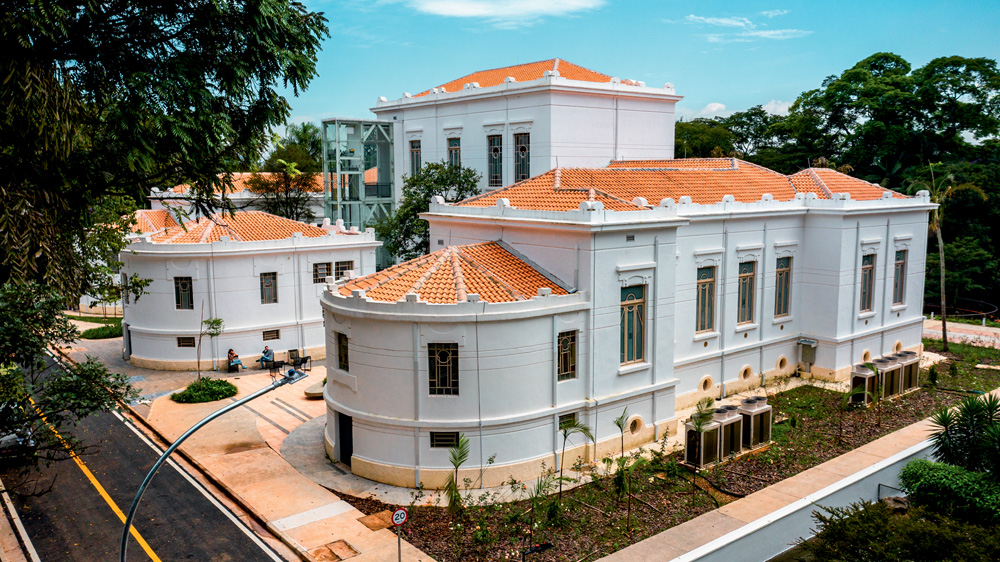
(399, 516)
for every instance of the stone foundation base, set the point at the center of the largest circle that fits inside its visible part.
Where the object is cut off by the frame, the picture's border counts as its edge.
(317, 353)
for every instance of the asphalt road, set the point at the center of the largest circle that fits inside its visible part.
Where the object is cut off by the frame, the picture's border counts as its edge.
(74, 521)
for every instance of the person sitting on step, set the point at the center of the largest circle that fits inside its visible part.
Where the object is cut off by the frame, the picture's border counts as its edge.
(266, 356)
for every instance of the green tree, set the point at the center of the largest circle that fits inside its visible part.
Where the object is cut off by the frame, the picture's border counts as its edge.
(753, 130)
(213, 328)
(406, 235)
(302, 144)
(702, 138)
(112, 99)
(286, 193)
(45, 402)
(941, 191)
(457, 455)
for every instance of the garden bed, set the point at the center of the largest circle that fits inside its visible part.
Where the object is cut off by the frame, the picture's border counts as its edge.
(595, 519)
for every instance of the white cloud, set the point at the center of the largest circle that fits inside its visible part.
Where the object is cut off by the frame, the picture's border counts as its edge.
(721, 22)
(776, 33)
(713, 109)
(744, 30)
(777, 107)
(504, 13)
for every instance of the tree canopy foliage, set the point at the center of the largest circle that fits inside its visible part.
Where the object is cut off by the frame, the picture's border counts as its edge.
(114, 98)
(886, 122)
(403, 233)
(302, 145)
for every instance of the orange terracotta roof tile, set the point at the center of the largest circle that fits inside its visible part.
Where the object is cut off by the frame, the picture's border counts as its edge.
(836, 182)
(241, 179)
(242, 226)
(705, 180)
(451, 274)
(153, 220)
(525, 73)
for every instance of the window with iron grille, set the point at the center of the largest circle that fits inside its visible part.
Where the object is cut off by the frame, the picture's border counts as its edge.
(343, 361)
(705, 321)
(899, 278)
(567, 355)
(270, 335)
(782, 286)
(321, 271)
(746, 293)
(183, 293)
(268, 288)
(494, 156)
(522, 156)
(455, 152)
(633, 321)
(341, 269)
(414, 157)
(867, 282)
(443, 368)
(185, 341)
(567, 420)
(444, 439)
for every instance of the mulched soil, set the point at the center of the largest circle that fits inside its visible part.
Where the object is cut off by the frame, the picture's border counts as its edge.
(592, 520)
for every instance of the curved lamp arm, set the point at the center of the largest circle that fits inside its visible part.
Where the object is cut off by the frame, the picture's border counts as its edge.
(293, 376)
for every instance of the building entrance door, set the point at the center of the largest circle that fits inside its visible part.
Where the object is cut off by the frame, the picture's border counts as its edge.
(345, 437)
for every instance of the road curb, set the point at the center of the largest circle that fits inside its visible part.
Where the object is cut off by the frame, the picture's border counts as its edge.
(229, 492)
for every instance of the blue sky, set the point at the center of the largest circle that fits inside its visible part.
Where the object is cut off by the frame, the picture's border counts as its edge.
(721, 56)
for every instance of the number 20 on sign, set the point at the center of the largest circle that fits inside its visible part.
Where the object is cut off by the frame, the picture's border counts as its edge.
(398, 518)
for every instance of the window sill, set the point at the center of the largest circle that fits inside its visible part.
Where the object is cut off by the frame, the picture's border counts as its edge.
(865, 315)
(633, 368)
(898, 307)
(781, 320)
(746, 327)
(705, 336)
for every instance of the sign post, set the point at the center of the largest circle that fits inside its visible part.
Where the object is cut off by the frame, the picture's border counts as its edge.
(398, 518)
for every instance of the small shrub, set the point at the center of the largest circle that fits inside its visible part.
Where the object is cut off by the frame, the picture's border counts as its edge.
(867, 531)
(932, 375)
(103, 333)
(205, 390)
(953, 369)
(952, 490)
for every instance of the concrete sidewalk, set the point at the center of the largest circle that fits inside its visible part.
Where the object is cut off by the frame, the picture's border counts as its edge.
(241, 452)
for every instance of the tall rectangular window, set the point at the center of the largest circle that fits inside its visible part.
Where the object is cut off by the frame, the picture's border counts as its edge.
(341, 269)
(414, 157)
(522, 156)
(494, 156)
(899, 278)
(867, 282)
(343, 360)
(782, 286)
(183, 293)
(633, 321)
(321, 271)
(268, 288)
(567, 355)
(746, 292)
(705, 321)
(455, 152)
(442, 366)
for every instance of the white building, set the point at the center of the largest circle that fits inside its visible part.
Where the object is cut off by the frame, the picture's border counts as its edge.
(260, 273)
(516, 122)
(583, 291)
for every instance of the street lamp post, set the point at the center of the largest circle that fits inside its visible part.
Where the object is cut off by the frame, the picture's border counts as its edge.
(293, 376)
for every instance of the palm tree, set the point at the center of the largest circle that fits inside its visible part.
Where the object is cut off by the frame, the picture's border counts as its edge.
(940, 192)
(878, 395)
(620, 424)
(457, 455)
(569, 428)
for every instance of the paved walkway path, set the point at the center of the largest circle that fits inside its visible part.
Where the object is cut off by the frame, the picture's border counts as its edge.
(241, 450)
(964, 333)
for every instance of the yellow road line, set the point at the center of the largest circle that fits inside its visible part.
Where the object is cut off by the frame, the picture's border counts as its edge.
(104, 494)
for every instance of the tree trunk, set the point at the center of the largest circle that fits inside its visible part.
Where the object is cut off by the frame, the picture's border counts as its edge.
(944, 310)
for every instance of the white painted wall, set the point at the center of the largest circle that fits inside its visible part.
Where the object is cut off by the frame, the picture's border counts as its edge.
(226, 281)
(571, 124)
